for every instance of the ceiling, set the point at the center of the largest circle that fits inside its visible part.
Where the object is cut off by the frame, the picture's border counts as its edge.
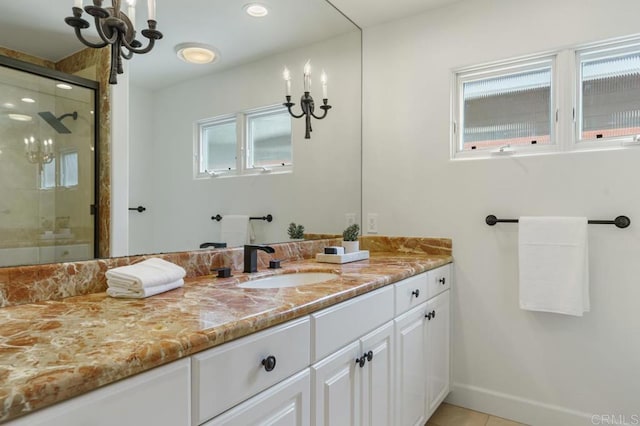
(37, 27)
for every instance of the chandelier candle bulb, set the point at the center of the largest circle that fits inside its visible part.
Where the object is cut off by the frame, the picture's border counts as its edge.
(77, 3)
(131, 12)
(307, 76)
(323, 79)
(151, 4)
(287, 80)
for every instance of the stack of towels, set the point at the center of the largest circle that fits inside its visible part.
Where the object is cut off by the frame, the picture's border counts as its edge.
(144, 279)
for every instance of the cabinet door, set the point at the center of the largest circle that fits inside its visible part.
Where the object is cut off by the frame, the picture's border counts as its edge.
(437, 332)
(285, 404)
(377, 381)
(411, 367)
(336, 388)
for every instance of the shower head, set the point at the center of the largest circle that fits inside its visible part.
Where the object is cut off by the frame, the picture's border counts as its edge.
(56, 122)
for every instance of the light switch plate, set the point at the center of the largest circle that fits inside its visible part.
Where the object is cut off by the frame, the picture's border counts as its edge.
(372, 223)
(350, 219)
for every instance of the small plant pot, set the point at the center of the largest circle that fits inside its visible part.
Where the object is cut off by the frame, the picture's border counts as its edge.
(351, 246)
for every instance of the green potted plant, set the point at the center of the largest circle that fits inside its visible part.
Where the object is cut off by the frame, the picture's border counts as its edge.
(350, 239)
(296, 232)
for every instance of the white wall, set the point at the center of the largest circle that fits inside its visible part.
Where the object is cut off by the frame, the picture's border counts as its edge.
(325, 183)
(538, 368)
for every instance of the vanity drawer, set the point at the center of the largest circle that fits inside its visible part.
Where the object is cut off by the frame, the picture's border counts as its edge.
(411, 292)
(345, 322)
(439, 280)
(225, 376)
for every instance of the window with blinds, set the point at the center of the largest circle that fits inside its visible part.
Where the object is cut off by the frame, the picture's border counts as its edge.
(609, 92)
(505, 105)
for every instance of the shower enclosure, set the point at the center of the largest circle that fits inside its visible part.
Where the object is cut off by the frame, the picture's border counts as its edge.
(48, 158)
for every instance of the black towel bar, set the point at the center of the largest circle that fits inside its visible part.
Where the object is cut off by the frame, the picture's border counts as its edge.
(620, 221)
(268, 218)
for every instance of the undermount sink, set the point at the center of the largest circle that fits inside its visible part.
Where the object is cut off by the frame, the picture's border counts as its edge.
(290, 280)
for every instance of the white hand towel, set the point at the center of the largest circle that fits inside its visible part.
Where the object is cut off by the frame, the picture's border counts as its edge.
(127, 292)
(148, 273)
(235, 230)
(554, 264)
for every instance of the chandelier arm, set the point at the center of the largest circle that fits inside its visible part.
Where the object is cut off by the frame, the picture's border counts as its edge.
(87, 42)
(126, 54)
(322, 116)
(133, 50)
(289, 105)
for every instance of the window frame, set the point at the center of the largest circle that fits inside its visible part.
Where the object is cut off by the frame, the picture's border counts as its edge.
(200, 127)
(248, 158)
(595, 51)
(495, 69)
(243, 167)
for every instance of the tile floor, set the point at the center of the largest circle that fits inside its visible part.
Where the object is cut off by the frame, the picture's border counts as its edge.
(451, 415)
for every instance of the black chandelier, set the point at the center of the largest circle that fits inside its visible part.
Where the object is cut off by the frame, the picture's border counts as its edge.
(306, 101)
(116, 29)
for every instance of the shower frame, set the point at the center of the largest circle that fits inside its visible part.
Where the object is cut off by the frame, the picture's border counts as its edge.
(88, 84)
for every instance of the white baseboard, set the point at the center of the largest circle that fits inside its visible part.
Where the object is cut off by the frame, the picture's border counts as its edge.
(522, 410)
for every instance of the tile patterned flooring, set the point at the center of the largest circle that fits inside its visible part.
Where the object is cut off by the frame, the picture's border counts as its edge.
(451, 415)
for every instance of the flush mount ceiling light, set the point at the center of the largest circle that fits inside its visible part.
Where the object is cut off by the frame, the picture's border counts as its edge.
(8, 105)
(20, 117)
(257, 10)
(64, 86)
(28, 100)
(197, 53)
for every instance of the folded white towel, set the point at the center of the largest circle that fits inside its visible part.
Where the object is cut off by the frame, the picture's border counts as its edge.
(235, 230)
(149, 273)
(554, 265)
(131, 293)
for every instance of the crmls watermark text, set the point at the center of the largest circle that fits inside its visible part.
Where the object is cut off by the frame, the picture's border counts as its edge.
(615, 419)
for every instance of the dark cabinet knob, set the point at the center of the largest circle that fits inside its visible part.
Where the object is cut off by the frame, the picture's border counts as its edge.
(269, 363)
(428, 316)
(369, 355)
(360, 361)
(433, 314)
(442, 280)
(416, 293)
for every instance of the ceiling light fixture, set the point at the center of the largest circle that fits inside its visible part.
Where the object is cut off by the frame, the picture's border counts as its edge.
(20, 117)
(196, 53)
(116, 29)
(8, 105)
(28, 100)
(257, 10)
(64, 86)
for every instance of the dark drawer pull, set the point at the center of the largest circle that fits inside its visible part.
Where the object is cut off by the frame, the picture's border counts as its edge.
(416, 293)
(369, 355)
(360, 361)
(442, 280)
(269, 363)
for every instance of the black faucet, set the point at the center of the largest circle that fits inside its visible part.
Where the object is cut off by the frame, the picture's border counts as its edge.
(251, 256)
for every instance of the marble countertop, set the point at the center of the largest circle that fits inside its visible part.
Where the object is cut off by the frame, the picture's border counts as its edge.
(54, 350)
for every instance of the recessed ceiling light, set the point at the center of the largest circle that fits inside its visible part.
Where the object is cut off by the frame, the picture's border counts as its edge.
(27, 100)
(257, 10)
(8, 105)
(20, 117)
(64, 86)
(196, 53)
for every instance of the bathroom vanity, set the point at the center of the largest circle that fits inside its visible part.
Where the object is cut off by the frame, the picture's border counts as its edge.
(370, 347)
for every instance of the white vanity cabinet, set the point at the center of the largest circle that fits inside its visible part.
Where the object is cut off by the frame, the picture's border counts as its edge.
(354, 385)
(160, 397)
(422, 348)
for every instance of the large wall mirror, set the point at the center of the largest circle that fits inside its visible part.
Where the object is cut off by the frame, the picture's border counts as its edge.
(166, 98)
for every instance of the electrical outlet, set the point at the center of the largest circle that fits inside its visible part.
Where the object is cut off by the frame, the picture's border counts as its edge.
(350, 218)
(372, 223)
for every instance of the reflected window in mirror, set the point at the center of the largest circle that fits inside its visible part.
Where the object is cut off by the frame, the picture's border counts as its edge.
(250, 142)
(217, 143)
(269, 138)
